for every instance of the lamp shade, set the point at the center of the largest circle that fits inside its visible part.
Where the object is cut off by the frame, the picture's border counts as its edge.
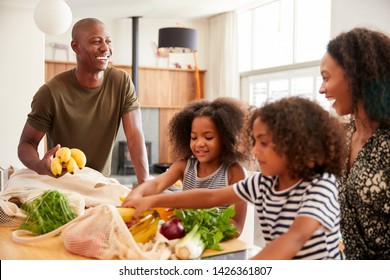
(53, 17)
(177, 39)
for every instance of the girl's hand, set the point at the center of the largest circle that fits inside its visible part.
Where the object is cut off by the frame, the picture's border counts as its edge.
(140, 204)
(134, 194)
(131, 200)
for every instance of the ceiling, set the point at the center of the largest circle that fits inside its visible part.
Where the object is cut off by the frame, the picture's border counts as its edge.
(157, 9)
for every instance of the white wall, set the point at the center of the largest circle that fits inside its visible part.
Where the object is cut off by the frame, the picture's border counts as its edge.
(347, 14)
(21, 72)
(121, 32)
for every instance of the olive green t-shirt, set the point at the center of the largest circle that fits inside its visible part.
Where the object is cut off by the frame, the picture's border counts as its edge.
(78, 117)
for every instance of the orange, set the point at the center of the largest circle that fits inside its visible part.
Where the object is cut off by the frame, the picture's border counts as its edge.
(165, 213)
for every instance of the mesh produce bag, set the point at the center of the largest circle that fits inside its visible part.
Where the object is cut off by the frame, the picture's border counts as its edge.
(10, 214)
(100, 233)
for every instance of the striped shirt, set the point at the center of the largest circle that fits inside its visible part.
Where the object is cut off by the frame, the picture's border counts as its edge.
(276, 210)
(216, 180)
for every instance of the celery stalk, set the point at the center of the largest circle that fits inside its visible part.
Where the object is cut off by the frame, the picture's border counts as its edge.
(190, 246)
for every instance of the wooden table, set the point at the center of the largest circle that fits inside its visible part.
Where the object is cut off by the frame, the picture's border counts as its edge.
(49, 249)
(53, 248)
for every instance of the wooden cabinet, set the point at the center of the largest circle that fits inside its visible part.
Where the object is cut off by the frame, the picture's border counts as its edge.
(163, 88)
(169, 90)
(53, 68)
(157, 87)
(166, 88)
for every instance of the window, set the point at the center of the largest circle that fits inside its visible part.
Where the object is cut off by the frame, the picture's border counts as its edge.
(272, 34)
(280, 45)
(271, 86)
(282, 32)
(312, 29)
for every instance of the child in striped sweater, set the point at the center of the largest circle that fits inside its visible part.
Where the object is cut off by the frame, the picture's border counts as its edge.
(299, 148)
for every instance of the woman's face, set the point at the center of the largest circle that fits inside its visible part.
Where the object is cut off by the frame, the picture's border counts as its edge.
(206, 142)
(335, 86)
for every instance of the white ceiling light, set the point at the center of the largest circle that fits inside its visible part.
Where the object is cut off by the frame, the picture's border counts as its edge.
(53, 17)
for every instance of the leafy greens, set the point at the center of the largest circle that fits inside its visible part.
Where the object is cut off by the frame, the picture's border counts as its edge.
(47, 212)
(214, 224)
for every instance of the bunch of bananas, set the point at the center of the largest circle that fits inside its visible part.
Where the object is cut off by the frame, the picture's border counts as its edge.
(146, 229)
(69, 159)
(164, 213)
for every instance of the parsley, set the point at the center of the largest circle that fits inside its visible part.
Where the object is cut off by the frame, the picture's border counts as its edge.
(47, 212)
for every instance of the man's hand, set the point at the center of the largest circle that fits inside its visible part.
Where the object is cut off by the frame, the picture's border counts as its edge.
(28, 151)
(43, 166)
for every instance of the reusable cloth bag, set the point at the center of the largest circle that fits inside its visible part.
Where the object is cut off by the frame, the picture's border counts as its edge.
(99, 233)
(12, 215)
(85, 188)
(91, 184)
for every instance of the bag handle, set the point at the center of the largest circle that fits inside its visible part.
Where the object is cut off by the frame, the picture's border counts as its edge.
(25, 236)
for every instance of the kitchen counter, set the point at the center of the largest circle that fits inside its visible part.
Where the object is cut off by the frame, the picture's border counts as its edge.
(53, 249)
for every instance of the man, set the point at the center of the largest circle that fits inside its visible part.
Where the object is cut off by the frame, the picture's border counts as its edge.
(82, 108)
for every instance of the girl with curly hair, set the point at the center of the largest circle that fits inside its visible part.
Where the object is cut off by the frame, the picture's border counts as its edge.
(299, 148)
(204, 137)
(356, 79)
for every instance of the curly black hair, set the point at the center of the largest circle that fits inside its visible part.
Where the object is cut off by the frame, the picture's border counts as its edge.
(229, 116)
(310, 138)
(364, 55)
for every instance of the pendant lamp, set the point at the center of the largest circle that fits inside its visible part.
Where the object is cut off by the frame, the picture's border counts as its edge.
(180, 40)
(53, 17)
(177, 39)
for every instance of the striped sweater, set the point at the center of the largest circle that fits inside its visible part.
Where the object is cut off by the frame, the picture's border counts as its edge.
(276, 210)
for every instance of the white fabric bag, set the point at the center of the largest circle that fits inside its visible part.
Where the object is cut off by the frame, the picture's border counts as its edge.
(92, 185)
(12, 215)
(100, 233)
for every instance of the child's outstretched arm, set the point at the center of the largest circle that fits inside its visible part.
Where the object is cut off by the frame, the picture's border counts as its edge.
(290, 243)
(160, 183)
(198, 198)
(237, 173)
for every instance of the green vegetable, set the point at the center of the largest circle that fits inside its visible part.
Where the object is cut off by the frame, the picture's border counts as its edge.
(47, 212)
(190, 246)
(212, 224)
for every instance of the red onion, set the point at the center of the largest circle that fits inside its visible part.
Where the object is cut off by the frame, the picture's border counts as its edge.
(172, 229)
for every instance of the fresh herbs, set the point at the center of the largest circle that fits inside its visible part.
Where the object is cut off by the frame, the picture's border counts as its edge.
(47, 212)
(214, 224)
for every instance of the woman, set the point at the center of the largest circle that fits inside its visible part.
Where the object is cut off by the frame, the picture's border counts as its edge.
(356, 79)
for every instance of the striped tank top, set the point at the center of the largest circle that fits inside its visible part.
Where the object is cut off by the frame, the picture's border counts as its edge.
(216, 180)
